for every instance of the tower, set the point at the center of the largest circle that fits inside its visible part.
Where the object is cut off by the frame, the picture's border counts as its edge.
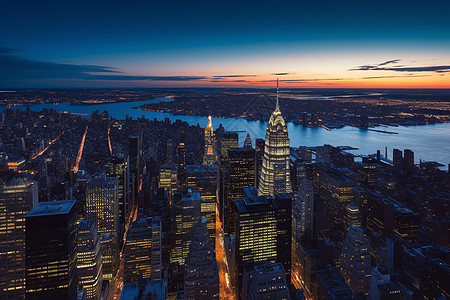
(209, 154)
(201, 279)
(275, 176)
(18, 195)
(89, 259)
(51, 251)
(102, 206)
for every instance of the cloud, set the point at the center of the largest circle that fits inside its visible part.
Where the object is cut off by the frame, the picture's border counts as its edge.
(232, 76)
(13, 67)
(282, 73)
(401, 68)
(394, 76)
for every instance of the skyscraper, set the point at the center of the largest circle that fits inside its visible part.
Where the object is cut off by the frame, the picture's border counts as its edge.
(209, 156)
(201, 279)
(227, 140)
(156, 248)
(203, 179)
(241, 174)
(51, 251)
(18, 195)
(119, 168)
(267, 281)
(275, 175)
(89, 259)
(186, 210)
(256, 232)
(355, 260)
(138, 251)
(102, 206)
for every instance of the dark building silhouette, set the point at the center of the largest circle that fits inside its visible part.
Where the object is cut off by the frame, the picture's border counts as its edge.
(51, 251)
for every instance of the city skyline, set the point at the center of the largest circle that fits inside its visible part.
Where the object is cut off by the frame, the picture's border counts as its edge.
(175, 44)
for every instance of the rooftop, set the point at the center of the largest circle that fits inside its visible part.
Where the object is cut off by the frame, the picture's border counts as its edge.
(52, 208)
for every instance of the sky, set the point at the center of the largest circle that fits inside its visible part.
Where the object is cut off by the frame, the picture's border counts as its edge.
(146, 43)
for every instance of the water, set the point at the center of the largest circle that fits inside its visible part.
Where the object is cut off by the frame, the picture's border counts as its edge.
(429, 143)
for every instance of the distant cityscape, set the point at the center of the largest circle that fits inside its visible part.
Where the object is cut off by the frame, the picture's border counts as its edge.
(99, 207)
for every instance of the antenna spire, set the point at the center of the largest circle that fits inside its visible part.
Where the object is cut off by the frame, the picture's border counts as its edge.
(277, 94)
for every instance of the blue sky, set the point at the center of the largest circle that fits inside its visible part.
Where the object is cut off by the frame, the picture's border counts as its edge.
(158, 40)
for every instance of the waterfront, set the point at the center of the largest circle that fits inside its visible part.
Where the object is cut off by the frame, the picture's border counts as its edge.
(429, 142)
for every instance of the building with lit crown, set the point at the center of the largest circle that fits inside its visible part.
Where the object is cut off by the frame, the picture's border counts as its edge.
(209, 156)
(275, 174)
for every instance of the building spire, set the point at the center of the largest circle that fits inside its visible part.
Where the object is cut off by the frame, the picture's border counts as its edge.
(278, 106)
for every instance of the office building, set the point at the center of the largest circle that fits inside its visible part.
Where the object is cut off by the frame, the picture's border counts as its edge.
(168, 178)
(102, 206)
(381, 286)
(18, 195)
(156, 248)
(303, 211)
(186, 211)
(355, 260)
(203, 179)
(89, 259)
(138, 251)
(241, 174)
(201, 279)
(332, 285)
(256, 233)
(51, 251)
(275, 173)
(119, 168)
(267, 281)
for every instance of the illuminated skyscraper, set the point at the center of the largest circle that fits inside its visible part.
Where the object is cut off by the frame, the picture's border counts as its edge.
(18, 195)
(256, 233)
(168, 178)
(203, 179)
(102, 206)
(186, 211)
(89, 259)
(201, 280)
(138, 251)
(51, 251)
(209, 156)
(119, 168)
(275, 177)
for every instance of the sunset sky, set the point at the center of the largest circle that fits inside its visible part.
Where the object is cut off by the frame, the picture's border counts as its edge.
(142, 43)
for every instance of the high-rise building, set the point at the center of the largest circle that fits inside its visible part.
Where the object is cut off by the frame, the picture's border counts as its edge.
(209, 156)
(256, 233)
(303, 211)
(241, 174)
(381, 286)
(267, 281)
(138, 251)
(186, 211)
(168, 178)
(203, 179)
(406, 223)
(408, 158)
(18, 195)
(119, 169)
(275, 174)
(51, 251)
(156, 248)
(259, 147)
(352, 215)
(355, 260)
(284, 202)
(89, 259)
(227, 140)
(134, 151)
(397, 157)
(248, 141)
(201, 279)
(336, 190)
(102, 206)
